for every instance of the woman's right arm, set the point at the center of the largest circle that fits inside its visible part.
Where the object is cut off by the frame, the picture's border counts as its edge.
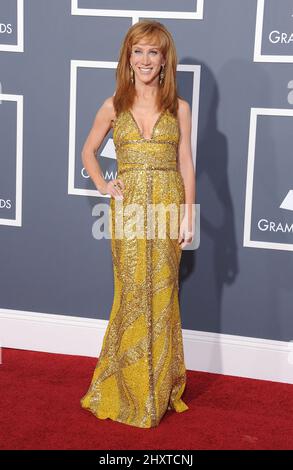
(100, 128)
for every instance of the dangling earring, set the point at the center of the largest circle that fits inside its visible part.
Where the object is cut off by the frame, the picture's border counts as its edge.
(131, 74)
(162, 75)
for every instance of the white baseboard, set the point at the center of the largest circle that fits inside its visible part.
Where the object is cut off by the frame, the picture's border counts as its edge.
(208, 352)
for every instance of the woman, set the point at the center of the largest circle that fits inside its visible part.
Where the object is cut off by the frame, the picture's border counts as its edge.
(141, 371)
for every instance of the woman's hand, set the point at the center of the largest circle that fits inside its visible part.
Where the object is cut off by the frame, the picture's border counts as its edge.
(186, 231)
(114, 187)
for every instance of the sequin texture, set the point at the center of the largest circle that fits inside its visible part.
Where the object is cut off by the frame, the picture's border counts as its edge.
(141, 372)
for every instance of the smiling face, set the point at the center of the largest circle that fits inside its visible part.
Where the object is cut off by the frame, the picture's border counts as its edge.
(146, 61)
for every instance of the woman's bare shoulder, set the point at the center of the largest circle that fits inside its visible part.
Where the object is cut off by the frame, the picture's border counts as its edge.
(184, 114)
(108, 106)
(183, 106)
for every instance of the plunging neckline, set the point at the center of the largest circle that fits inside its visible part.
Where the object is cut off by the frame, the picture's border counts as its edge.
(154, 127)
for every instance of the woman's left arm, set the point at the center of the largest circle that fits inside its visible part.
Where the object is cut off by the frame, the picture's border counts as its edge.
(186, 167)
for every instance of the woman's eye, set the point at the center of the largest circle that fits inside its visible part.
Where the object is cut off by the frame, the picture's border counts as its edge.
(152, 52)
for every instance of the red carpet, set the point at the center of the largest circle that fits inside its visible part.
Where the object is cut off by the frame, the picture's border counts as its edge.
(40, 409)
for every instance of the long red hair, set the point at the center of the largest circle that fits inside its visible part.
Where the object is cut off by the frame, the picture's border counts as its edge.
(156, 33)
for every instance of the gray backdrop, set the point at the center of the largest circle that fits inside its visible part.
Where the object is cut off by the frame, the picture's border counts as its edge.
(50, 261)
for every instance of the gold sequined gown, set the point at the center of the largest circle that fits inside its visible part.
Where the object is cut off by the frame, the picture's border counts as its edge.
(141, 372)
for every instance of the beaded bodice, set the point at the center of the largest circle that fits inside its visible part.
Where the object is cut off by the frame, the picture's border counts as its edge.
(134, 150)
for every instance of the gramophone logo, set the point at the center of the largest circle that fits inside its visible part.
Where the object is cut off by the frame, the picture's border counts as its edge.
(11, 25)
(268, 221)
(11, 173)
(277, 225)
(155, 9)
(81, 72)
(288, 201)
(273, 31)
